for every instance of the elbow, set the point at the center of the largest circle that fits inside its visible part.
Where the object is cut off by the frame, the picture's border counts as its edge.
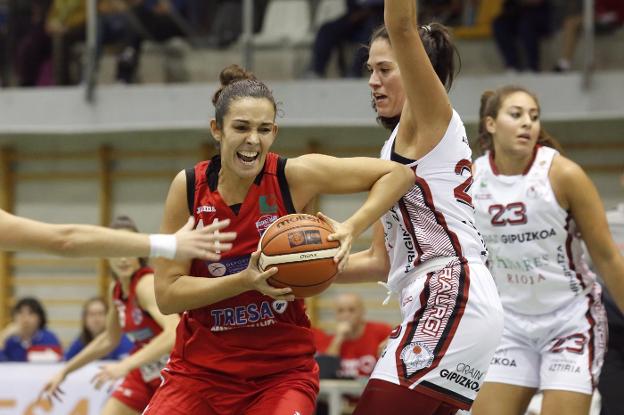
(408, 177)
(401, 26)
(165, 303)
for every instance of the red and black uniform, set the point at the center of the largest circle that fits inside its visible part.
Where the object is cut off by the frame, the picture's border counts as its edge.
(249, 353)
(140, 384)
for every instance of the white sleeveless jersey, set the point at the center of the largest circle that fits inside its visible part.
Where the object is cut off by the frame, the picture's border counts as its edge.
(435, 218)
(536, 254)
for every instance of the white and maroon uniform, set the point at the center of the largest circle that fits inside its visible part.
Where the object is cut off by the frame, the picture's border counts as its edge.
(452, 318)
(140, 384)
(555, 327)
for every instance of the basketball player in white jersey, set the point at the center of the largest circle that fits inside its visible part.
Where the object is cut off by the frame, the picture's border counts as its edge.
(534, 208)
(432, 256)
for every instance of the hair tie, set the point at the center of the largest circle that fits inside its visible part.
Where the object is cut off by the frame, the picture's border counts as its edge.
(426, 28)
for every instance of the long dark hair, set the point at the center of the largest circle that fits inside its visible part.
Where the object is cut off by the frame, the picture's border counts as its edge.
(491, 102)
(125, 222)
(85, 335)
(440, 48)
(35, 306)
(237, 83)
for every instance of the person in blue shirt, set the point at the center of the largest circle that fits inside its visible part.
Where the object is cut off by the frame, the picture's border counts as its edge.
(26, 338)
(93, 323)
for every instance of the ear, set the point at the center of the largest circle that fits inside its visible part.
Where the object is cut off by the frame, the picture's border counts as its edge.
(490, 125)
(214, 129)
(275, 130)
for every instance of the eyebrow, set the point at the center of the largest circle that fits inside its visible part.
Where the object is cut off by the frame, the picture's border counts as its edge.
(521, 108)
(249, 122)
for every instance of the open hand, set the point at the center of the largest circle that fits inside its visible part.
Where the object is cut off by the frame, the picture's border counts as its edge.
(206, 243)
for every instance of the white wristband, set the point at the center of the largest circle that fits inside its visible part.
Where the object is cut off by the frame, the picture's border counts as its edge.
(163, 246)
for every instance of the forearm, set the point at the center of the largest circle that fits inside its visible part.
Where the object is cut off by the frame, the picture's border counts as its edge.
(188, 293)
(99, 347)
(382, 196)
(362, 267)
(612, 273)
(159, 346)
(86, 240)
(334, 347)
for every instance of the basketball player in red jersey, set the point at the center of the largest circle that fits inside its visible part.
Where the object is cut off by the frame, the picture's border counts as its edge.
(426, 246)
(242, 346)
(136, 314)
(21, 234)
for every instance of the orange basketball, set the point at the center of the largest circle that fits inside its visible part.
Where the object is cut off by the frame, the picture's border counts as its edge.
(297, 246)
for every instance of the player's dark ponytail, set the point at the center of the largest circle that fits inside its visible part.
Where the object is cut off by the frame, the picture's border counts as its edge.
(236, 83)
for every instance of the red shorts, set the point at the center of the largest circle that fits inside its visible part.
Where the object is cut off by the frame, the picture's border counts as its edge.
(381, 397)
(134, 391)
(288, 393)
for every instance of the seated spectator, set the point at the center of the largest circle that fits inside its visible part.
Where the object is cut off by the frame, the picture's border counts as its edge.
(94, 323)
(522, 22)
(356, 26)
(356, 341)
(155, 20)
(66, 26)
(572, 11)
(26, 338)
(33, 45)
(447, 12)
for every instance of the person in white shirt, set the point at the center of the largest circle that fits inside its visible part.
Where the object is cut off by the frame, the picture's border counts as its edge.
(534, 208)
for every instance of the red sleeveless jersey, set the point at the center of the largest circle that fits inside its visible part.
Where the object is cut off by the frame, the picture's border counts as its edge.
(250, 335)
(135, 322)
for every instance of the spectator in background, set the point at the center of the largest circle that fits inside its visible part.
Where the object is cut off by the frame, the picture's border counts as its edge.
(572, 11)
(357, 25)
(155, 20)
(66, 26)
(447, 12)
(94, 323)
(356, 341)
(33, 46)
(522, 22)
(26, 338)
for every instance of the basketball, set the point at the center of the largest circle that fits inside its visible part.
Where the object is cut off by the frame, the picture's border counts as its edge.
(297, 245)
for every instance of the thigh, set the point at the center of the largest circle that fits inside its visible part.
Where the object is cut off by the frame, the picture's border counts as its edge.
(285, 394)
(502, 399)
(557, 402)
(282, 402)
(116, 407)
(572, 358)
(452, 325)
(134, 392)
(381, 397)
(179, 395)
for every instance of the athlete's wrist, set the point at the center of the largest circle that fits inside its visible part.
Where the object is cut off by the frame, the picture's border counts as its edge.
(163, 246)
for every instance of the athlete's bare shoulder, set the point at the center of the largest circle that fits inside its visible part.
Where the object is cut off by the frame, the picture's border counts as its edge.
(566, 176)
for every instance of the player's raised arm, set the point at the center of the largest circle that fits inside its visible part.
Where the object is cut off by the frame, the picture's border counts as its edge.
(428, 105)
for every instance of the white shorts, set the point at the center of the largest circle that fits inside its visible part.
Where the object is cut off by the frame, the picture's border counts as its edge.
(561, 350)
(452, 323)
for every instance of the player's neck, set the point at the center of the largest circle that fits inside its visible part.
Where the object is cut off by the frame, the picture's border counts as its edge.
(511, 164)
(233, 188)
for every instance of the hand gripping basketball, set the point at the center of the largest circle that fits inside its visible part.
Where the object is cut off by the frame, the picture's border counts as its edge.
(299, 247)
(257, 280)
